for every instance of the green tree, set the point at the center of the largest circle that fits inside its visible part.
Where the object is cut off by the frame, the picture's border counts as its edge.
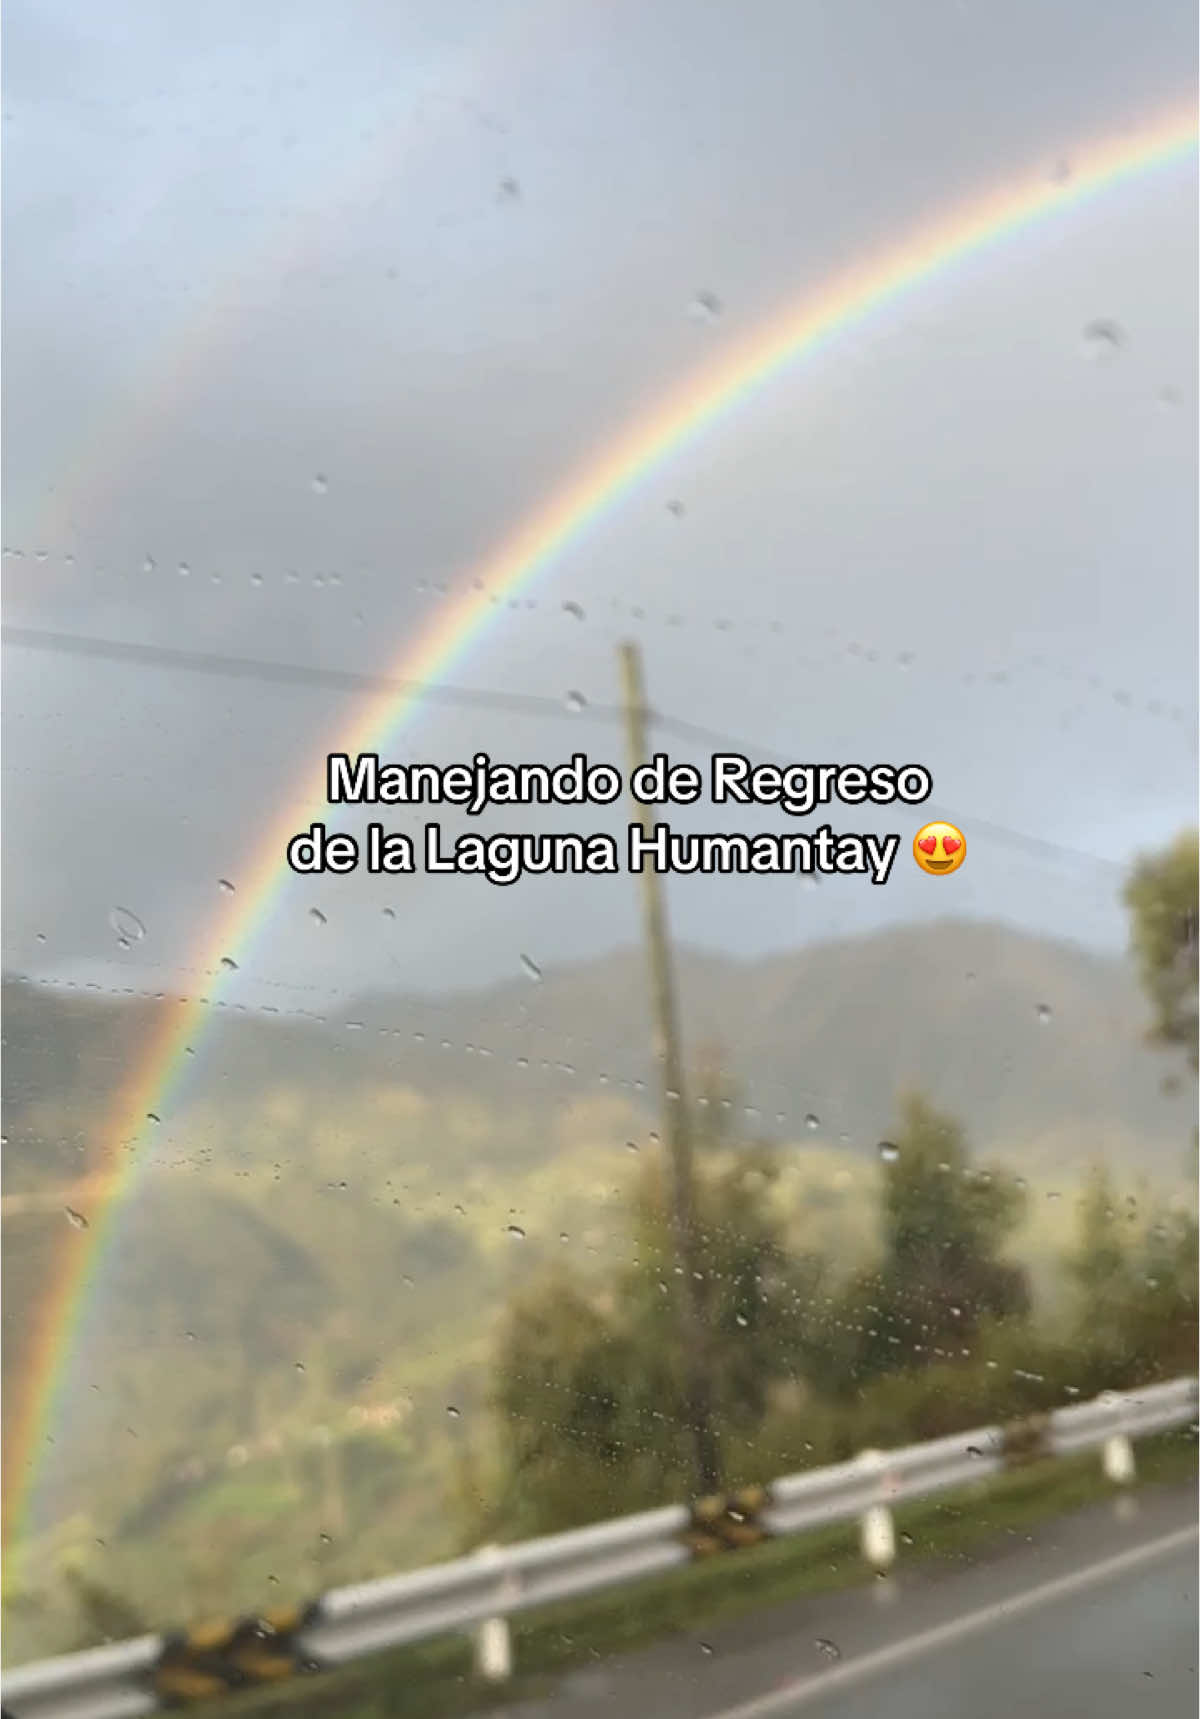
(590, 1383)
(940, 1274)
(1134, 1278)
(1161, 896)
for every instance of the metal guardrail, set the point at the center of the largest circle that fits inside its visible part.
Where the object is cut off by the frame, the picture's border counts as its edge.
(153, 1672)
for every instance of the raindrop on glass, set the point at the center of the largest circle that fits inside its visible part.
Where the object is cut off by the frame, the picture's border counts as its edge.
(705, 307)
(317, 917)
(229, 964)
(455, 1414)
(224, 885)
(677, 508)
(515, 1232)
(389, 913)
(1043, 1013)
(127, 925)
(812, 1121)
(76, 1219)
(1102, 341)
(320, 484)
(888, 1152)
(575, 701)
(830, 1649)
(530, 967)
(575, 609)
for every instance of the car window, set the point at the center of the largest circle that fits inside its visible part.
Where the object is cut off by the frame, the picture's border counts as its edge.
(417, 1142)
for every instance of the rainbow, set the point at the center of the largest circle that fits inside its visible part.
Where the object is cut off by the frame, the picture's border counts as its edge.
(800, 331)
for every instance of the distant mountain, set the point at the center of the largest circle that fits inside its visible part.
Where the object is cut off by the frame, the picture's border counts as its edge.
(1025, 1039)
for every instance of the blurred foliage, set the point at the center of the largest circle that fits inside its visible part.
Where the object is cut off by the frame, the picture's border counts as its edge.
(1162, 899)
(940, 1274)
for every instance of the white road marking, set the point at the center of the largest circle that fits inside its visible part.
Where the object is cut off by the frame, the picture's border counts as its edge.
(813, 1685)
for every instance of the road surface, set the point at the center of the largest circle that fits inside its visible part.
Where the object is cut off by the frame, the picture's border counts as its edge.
(1093, 1616)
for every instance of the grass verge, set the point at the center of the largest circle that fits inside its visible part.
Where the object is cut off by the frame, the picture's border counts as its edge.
(435, 1680)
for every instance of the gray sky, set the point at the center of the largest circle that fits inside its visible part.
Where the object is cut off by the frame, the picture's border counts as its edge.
(439, 255)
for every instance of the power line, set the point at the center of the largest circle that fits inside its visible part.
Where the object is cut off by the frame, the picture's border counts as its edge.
(1036, 846)
(298, 674)
(525, 704)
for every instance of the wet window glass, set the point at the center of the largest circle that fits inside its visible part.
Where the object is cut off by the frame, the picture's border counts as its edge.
(599, 671)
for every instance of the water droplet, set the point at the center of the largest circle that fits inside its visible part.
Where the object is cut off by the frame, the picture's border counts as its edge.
(812, 1121)
(677, 508)
(317, 917)
(256, 578)
(575, 701)
(1102, 341)
(325, 1539)
(183, 570)
(510, 190)
(455, 1414)
(229, 964)
(888, 1152)
(706, 1649)
(632, 1146)
(705, 307)
(148, 564)
(76, 1219)
(389, 913)
(152, 1116)
(974, 1450)
(531, 967)
(320, 484)
(516, 1232)
(300, 1366)
(1044, 1013)
(127, 925)
(830, 1649)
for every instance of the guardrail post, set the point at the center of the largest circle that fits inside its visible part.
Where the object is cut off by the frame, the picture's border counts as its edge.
(877, 1526)
(1117, 1456)
(1119, 1462)
(493, 1638)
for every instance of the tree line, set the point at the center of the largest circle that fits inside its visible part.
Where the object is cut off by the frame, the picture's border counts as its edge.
(807, 1362)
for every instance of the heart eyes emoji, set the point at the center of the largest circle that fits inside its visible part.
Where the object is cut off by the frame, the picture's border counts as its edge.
(939, 849)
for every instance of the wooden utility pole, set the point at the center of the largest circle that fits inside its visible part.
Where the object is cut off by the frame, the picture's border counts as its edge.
(676, 1131)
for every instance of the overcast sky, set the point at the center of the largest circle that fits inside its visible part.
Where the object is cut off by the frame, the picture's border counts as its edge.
(307, 309)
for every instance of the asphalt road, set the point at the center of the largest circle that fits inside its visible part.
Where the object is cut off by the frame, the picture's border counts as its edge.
(1094, 1615)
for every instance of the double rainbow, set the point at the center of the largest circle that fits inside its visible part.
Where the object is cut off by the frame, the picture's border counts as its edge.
(800, 332)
